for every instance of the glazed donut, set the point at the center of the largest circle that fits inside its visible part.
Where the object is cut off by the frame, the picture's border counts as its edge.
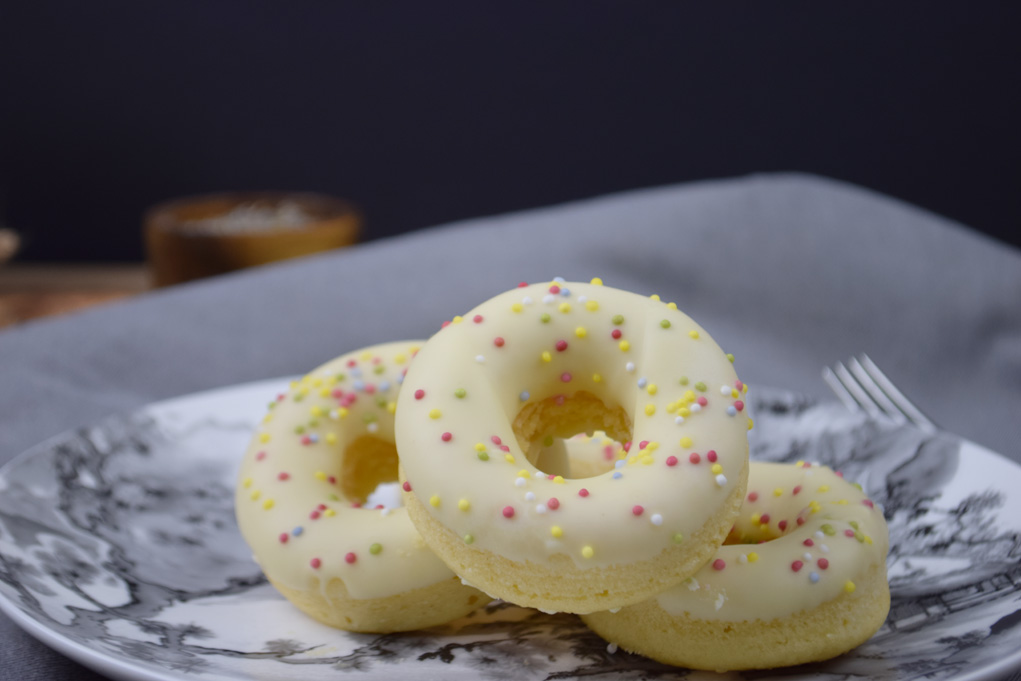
(320, 452)
(550, 361)
(802, 578)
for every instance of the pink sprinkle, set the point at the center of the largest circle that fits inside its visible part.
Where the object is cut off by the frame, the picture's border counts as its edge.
(554, 289)
(797, 565)
(764, 520)
(671, 461)
(739, 405)
(553, 504)
(719, 564)
(284, 537)
(522, 284)
(504, 448)
(616, 334)
(444, 325)
(370, 388)
(739, 385)
(627, 446)
(561, 345)
(260, 456)
(782, 525)
(702, 400)
(868, 502)
(550, 476)
(643, 444)
(306, 440)
(565, 377)
(694, 457)
(808, 542)
(379, 507)
(332, 480)
(806, 464)
(508, 511)
(419, 394)
(315, 563)
(848, 533)
(406, 486)
(281, 397)
(823, 563)
(321, 507)
(496, 440)
(839, 474)
(283, 476)
(753, 496)
(608, 452)
(583, 492)
(477, 319)
(350, 557)
(637, 510)
(797, 489)
(356, 504)
(711, 455)
(498, 342)
(801, 521)
(446, 437)
(337, 393)
(352, 363)
(314, 515)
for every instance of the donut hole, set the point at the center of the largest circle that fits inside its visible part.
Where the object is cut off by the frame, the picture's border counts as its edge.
(368, 471)
(568, 435)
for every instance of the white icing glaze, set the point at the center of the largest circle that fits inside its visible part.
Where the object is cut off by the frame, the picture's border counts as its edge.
(288, 489)
(847, 536)
(544, 340)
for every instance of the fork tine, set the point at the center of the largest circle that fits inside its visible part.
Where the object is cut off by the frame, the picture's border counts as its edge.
(895, 396)
(839, 390)
(875, 392)
(850, 386)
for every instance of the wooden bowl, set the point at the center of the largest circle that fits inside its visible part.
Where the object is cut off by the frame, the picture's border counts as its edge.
(201, 236)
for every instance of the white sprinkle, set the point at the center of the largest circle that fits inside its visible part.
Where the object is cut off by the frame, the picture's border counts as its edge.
(695, 407)
(548, 299)
(619, 463)
(530, 496)
(731, 411)
(527, 300)
(724, 390)
(520, 482)
(559, 280)
(481, 359)
(630, 366)
(813, 577)
(582, 300)
(334, 414)
(824, 548)
(372, 427)
(524, 396)
(540, 508)
(656, 519)
(819, 535)
(613, 611)
(642, 382)
(743, 559)
(678, 420)
(807, 557)
(611, 648)
(721, 480)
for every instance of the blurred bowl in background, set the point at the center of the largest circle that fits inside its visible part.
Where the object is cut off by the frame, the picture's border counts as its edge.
(201, 236)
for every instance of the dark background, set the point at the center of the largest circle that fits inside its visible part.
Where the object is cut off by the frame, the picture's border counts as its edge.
(425, 112)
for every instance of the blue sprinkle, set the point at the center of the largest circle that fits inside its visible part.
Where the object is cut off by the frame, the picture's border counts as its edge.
(356, 371)
(731, 411)
(384, 386)
(813, 577)
(617, 475)
(313, 438)
(620, 463)
(359, 386)
(565, 292)
(642, 382)
(297, 531)
(559, 280)
(400, 379)
(524, 396)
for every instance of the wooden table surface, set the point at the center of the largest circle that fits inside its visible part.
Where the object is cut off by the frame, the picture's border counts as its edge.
(33, 291)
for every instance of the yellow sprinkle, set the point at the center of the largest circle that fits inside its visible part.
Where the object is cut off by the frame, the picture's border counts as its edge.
(868, 540)
(849, 586)
(479, 447)
(650, 409)
(267, 418)
(734, 393)
(597, 378)
(331, 438)
(556, 531)
(401, 358)
(624, 345)
(800, 462)
(435, 413)
(255, 494)
(591, 305)
(717, 469)
(320, 475)
(671, 407)
(823, 488)
(517, 307)
(508, 458)
(777, 492)
(524, 474)
(264, 437)
(654, 296)
(580, 332)
(596, 281)
(547, 357)
(689, 396)
(293, 385)
(434, 501)
(652, 446)
(684, 411)
(565, 307)
(756, 517)
(672, 306)
(365, 356)
(268, 504)
(247, 483)
(686, 442)
(693, 333)
(559, 480)
(841, 502)
(587, 551)
(753, 557)
(317, 382)
(329, 513)
(325, 392)
(463, 504)
(751, 424)
(744, 387)
(457, 320)
(647, 459)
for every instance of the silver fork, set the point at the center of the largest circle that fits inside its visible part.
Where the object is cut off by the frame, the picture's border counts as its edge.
(861, 386)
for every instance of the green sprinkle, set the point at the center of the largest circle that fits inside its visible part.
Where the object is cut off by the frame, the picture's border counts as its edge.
(272, 405)
(547, 441)
(369, 418)
(545, 320)
(684, 380)
(314, 423)
(379, 369)
(700, 386)
(340, 377)
(468, 539)
(299, 430)
(730, 358)
(333, 497)
(381, 402)
(678, 538)
(375, 549)
(665, 323)
(483, 456)
(828, 530)
(460, 393)
(618, 319)
(860, 537)
(857, 486)
(854, 524)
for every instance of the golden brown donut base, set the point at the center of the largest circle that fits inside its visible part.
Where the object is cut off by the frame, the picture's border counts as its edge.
(416, 609)
(561, 586)
(808, 636)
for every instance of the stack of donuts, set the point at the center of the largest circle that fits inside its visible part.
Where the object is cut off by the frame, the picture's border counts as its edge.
(658, 532)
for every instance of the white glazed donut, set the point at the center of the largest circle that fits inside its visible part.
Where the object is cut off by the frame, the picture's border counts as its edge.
(802, 578)
(321, 450)
(549, 361)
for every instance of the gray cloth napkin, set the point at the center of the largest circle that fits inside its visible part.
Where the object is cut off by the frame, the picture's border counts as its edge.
(788, 272)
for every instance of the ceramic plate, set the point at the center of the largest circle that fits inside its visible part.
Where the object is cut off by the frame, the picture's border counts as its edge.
(118, 547)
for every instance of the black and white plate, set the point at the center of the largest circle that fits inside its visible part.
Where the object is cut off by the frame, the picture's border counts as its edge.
(118, 547)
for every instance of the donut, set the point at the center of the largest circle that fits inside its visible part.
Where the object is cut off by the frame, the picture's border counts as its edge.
(801, 578)
(549, 361)
(300, 502)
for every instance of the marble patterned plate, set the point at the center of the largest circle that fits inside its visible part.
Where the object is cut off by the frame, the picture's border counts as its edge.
(118, 548)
